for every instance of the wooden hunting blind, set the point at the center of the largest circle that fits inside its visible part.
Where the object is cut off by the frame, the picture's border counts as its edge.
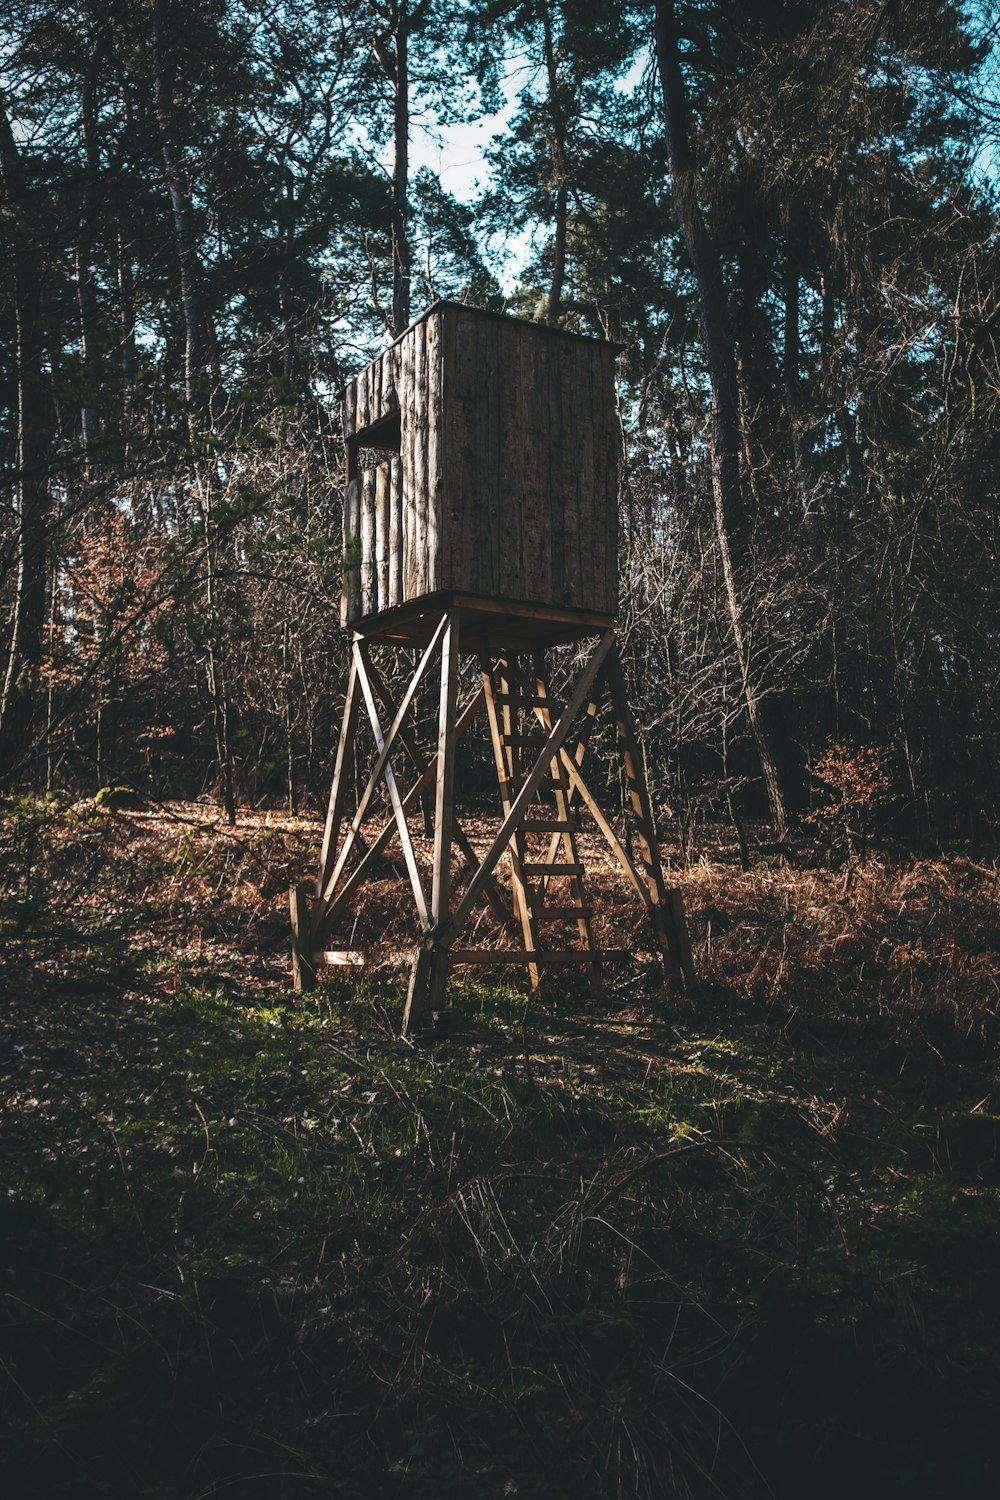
(482, 459)
(481, 519)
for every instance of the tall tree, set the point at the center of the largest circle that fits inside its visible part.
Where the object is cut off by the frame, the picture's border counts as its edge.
(34, 437)
(570, 54)
(391, 45)
(164, 39)
(720, 361)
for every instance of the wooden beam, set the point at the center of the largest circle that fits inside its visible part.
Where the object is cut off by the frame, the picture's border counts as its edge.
(578, 754)
(303, 971)
(444, 798)
(418, 987)
(567, 840)
(553, 744)
(399, 812)
(383, 755)
(514, 680)
(545, 956)
(363, 958)
(614, 842)
(550, 868)
(338, 791)
(483, 615)
(420, 763)
(360, 871)
(542, 913)
(578, 786)
(433, 993)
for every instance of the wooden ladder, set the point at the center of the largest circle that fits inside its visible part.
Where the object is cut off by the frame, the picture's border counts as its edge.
(519, 709)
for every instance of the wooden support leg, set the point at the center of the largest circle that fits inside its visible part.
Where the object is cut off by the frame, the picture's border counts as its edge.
(429, 976)
(303, 973)
(396, 801)
(312, 936)
(388, 740)
(418, 990)
(427, 990)
(444, 810)
(341, 777)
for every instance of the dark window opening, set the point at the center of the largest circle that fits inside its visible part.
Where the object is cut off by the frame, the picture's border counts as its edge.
(373, 445)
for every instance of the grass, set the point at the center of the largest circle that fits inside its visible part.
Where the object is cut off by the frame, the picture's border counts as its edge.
(257, 1246)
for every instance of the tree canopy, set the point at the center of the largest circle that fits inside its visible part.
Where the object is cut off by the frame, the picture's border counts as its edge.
(211, 216)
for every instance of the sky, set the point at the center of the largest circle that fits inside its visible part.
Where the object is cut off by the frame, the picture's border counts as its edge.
(457, 153)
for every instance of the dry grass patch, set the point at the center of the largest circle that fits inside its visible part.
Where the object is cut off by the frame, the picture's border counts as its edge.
(742, 1245)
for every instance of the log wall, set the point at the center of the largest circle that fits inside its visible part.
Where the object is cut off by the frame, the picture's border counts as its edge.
(498, 474)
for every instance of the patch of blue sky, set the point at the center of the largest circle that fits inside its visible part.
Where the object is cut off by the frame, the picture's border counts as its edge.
(457, 152)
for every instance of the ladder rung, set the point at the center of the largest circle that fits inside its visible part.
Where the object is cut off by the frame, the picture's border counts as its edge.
(552, 869)
(523, 700)
(558, 913)
(547, 825)
(535, 956)
(519, 740)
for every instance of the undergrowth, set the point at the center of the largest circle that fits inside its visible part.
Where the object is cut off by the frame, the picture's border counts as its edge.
(254, 1245)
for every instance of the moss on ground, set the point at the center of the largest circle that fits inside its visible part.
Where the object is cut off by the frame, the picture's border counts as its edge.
(255, 1245)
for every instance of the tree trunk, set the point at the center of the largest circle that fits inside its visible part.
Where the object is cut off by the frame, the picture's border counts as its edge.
(215, 671)
(791, 361)
(557, 151)
(125, 277)
(50, 691)
(395, 64)
(289, 359)
(85, 293)
(126, 324)
(289, 737)
(720, 359)
(33, 454)
(401, 177)
(184, 226)
(558, 258)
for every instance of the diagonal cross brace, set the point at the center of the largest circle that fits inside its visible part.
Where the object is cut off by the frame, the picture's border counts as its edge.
(338, 791)
(324, 915)
(553, 745)
(573, 766)
(425, 767)
(398, 811)
(383, 756)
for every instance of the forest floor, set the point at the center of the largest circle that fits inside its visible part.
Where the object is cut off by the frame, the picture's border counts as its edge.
(253, 1245)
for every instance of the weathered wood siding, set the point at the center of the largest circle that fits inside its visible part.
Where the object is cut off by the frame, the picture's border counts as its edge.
(506, 479)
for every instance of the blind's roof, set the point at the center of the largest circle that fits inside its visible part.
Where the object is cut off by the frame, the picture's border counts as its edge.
(499, 317)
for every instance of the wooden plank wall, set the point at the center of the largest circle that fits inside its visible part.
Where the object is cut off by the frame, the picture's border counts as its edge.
(374, 523)
(373, 513)
(530, 478)
(506, 480)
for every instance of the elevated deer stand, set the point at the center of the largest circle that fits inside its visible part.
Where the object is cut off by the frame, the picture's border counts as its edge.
(480, 518)
(540, 767)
